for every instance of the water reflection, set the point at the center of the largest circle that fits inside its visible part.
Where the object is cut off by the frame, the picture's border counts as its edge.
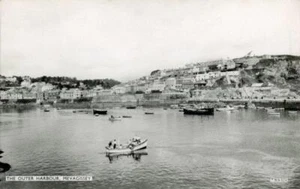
(4, 166)
(136, 156)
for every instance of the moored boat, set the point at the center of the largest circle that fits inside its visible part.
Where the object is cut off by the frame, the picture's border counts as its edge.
(131, 107)
(125, 116)
(227, 108)
(99, 111)
(174, 106)
(198, 111)
(149, 113)
(274, 113)
(115, 119)
(293, 112)
(46, 110)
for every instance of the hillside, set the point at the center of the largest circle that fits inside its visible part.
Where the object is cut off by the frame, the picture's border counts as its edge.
(281, 73)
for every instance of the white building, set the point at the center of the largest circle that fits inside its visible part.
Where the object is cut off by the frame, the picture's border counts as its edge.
(119, 89)
(171, 82)
(70, 94)
(11, 79)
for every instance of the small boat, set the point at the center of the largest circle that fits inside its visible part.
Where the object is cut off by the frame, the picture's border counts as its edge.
(174, 106)
(227, 108)
(46, 110)
(131, 107)
(74, 111)
(239, 106)
(149, 113)
(127, 116)
(135, 145)
(274, 113)
(198, 111)
(115, 119)
(270, 110)
(180, 110)
(293, 112)
(99, 111)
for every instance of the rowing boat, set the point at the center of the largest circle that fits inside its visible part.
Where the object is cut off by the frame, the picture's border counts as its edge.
(129, 148)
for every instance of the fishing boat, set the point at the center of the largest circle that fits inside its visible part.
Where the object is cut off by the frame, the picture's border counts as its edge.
(135, 145)
(227, 108)
(99, 111)
(198, 111)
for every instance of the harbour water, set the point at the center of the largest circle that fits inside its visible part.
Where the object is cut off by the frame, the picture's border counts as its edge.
(242, 149)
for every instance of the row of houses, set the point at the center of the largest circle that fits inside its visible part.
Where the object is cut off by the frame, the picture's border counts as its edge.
(52, 95)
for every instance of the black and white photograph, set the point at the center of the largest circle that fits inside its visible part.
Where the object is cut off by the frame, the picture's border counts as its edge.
(149, 94)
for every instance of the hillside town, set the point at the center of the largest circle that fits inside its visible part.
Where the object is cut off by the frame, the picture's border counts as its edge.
(248, 77)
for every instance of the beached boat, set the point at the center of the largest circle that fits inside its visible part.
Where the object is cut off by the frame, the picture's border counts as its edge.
(128, 149)
(99, 111)
(198, 111)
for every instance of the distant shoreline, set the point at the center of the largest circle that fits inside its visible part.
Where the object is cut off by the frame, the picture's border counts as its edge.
(292, 104)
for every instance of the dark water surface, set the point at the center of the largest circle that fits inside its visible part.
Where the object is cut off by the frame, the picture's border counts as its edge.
(244, 149)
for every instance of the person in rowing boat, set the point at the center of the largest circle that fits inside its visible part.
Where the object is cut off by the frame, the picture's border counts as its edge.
(115, 144)
(109, 144)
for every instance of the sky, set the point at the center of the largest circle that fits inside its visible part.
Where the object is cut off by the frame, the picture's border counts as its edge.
(127, 39)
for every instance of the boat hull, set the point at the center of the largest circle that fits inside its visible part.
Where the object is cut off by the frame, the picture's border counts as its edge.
(202, 111)
(131, 107)
(149, 113)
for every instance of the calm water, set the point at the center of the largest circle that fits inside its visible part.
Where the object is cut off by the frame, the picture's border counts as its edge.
(244, 149)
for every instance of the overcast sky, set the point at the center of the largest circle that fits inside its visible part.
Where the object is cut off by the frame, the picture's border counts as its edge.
(126, 39)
